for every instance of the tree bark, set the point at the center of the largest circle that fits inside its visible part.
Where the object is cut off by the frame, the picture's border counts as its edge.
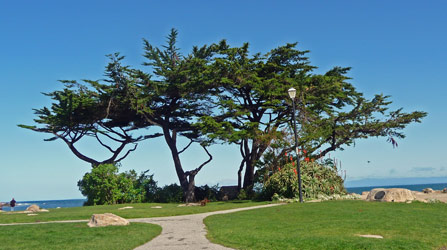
(189, 193)
(251, 156)
(171, 140)
(187, 179)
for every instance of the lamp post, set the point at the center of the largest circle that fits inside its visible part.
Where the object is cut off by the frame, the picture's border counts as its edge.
(292, 94)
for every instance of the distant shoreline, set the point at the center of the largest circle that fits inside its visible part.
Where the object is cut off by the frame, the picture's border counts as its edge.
(46, 204)
(412, 187)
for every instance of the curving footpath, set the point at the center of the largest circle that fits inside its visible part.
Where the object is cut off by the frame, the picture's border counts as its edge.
(185, 231)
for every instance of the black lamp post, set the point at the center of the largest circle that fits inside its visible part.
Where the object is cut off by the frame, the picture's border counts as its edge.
(292, 94)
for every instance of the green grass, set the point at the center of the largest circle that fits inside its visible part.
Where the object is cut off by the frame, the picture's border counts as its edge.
(143, 210)
(76, 236)
(333, 225)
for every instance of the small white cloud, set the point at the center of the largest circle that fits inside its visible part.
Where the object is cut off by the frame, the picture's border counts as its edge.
(427, 169)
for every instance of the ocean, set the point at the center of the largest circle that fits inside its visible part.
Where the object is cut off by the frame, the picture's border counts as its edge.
(414, 187)
(22, 205)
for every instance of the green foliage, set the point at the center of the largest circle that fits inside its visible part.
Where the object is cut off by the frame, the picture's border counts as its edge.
(94, 109)
(169, 194)
(316, 179)
(175, 99)
(216, 93)
(103, 185)
(147, 183)
(211, 193)
(255, 108)
(242, 195)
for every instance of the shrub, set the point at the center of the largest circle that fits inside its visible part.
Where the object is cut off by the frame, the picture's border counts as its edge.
(169, 193)
(316, 179)
(149, 185)
(104, 185)
(211, 193)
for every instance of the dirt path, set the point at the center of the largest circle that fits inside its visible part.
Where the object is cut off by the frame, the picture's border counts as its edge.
(185, 231)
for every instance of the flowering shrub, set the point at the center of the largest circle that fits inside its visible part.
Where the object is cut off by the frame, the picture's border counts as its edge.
(316, 180)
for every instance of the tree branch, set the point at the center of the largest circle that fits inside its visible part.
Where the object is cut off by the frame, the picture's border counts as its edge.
(187, 146)
(130, 150)
(196, 171)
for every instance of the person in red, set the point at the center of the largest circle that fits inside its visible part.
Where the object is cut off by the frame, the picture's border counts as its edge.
(12, 204)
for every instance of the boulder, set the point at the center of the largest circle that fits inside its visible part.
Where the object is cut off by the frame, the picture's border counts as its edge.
(107, 219)
(427, 190)
(365, 192)
(33, 208)
(390, 195)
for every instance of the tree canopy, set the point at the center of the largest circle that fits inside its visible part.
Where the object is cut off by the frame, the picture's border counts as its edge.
(218, 93)
(255, 107)
(94, 109)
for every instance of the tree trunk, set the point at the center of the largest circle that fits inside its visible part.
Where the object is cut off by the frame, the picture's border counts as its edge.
(188, 192)
(249, 175)
(239, 175)
(251, 157)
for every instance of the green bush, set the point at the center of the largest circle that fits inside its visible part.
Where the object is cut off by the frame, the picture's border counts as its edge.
(211, 193)
(104, 185)
(316, 179)
(169, 193)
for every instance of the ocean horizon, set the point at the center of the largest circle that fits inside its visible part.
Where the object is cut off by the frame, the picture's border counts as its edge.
(412, 187)
(47, 204)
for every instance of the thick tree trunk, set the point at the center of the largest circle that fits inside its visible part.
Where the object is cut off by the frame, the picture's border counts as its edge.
(251, 156)
(188, 192)
(249, 175)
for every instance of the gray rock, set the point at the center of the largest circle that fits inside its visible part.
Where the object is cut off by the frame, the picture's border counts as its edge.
(33, 208)
(107, 219)
(390, 195)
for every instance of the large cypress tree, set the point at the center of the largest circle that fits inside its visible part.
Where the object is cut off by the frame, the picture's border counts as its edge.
(173, 96)
(255, 106)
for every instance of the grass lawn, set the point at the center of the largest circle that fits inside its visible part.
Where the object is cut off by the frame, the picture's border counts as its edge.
(333, 225)
(76, 236)
(142, 210)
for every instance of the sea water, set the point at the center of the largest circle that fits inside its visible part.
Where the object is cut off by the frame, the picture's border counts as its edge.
(414, 187)
(22, 205)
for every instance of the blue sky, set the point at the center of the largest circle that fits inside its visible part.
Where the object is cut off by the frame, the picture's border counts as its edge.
(397, 48)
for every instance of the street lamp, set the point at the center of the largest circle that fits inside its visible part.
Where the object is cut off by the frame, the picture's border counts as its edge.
(292, 94)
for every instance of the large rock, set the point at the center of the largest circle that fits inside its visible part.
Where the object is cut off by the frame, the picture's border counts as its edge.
(390, 195)
(427, 190)
(33, 208)
(107, 219)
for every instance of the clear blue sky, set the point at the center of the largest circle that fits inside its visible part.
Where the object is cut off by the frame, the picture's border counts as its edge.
(397, 48)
